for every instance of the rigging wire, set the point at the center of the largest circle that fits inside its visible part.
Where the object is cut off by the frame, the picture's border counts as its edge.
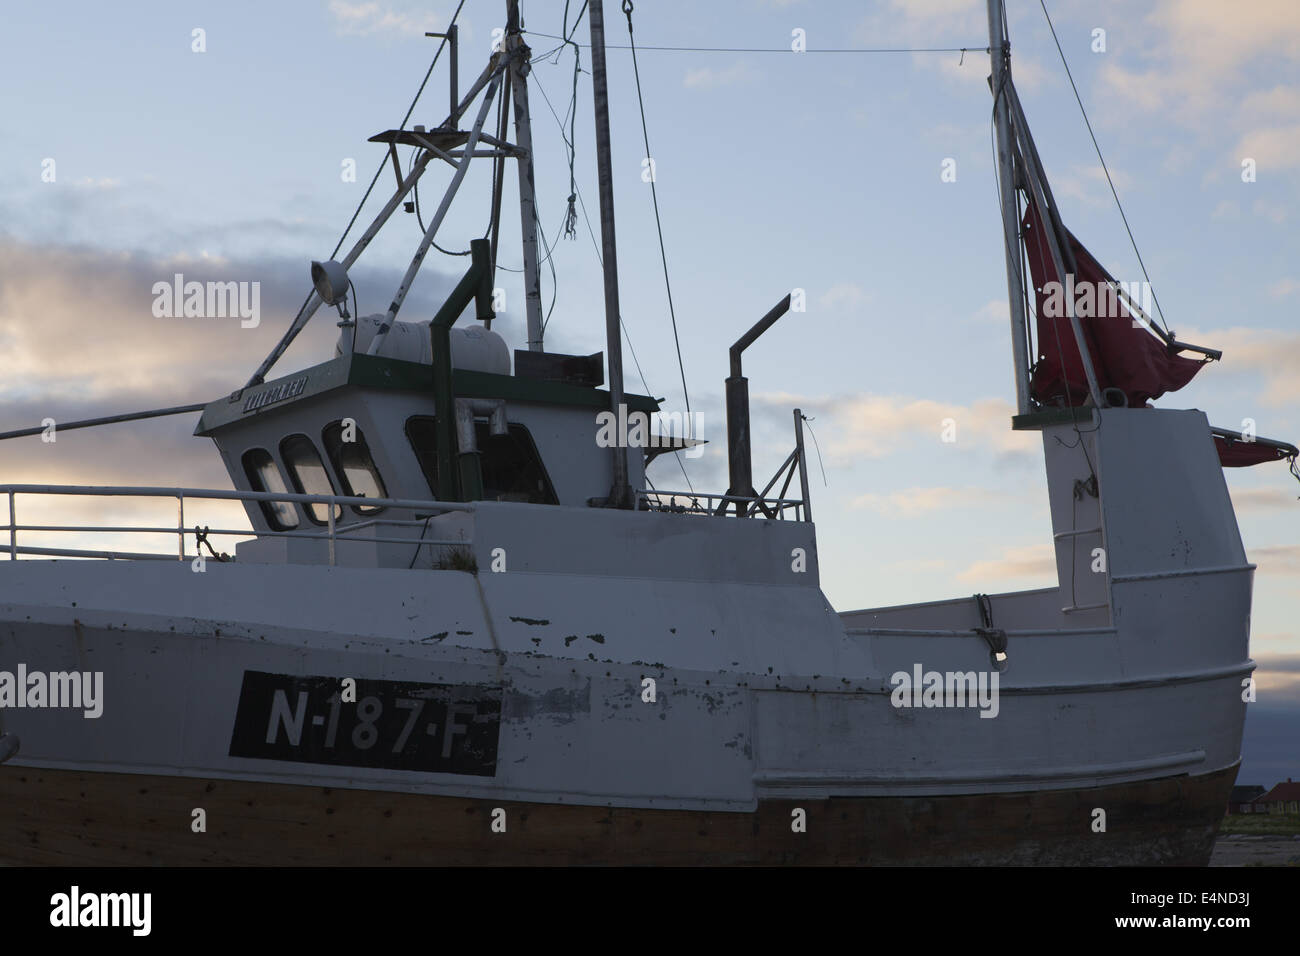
(419, 219)
(596, 246)
(1056, 331)
(778, 49)
(409, 110)
(549, 247)
(1078, 99)
(654, 196)
(1020, 266)
(816, 447)
(555, 284)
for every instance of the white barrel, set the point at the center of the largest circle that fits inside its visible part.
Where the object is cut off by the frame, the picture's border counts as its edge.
(477, 348)
(472, 347)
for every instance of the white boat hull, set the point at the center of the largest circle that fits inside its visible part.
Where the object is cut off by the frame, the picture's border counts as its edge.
(527, 690)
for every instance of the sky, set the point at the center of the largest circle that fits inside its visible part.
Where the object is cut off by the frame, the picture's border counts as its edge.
(774, 171)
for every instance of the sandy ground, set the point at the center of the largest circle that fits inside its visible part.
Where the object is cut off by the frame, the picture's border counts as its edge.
(1241, 850)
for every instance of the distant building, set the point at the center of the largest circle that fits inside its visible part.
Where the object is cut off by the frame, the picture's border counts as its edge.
(1241, 798)
(1284, 798)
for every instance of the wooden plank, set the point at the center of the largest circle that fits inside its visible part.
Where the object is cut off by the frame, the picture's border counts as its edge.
(75, 818)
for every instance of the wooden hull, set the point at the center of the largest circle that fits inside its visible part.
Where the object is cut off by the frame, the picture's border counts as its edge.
(64, 817)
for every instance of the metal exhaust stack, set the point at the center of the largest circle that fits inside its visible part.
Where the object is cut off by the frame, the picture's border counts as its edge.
(740, 465)
(475, 285)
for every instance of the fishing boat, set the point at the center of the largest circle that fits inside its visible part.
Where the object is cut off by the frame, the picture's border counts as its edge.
(465, 629)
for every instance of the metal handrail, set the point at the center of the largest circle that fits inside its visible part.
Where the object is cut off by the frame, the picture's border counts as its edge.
(778, 505)
(332, 533)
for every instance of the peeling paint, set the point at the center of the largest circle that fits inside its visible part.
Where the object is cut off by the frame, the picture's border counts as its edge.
(559, 703)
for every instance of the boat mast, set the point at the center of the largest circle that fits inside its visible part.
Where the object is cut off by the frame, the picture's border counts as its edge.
(1000, 54)
(518, 84)
(620, 495)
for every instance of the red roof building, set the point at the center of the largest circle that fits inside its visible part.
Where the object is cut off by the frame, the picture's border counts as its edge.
(1283, 798)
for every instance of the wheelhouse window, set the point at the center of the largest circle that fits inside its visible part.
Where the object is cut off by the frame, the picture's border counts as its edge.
(356, 471)
(512, 469)
(259, 468)
(308, 475)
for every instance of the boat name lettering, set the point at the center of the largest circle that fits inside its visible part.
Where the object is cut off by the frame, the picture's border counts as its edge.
(395, 725)
(279, 393)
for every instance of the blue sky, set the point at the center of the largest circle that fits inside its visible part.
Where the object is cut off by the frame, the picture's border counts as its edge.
(774, 171)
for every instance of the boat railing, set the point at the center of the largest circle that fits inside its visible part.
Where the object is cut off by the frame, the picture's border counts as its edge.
(703, 503)
(333, 531)
(779, 508)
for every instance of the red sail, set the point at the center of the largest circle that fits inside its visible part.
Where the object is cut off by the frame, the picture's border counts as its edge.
(1124, 356)
(1237, 453)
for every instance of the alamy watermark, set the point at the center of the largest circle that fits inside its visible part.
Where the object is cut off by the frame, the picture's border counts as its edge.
(1097, 299)
(63, 689)
(208, 300)
(75, 908)
(922, 688)
(637, 430)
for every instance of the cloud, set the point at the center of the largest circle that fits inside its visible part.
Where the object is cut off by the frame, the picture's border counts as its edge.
(1273, 212)
(1272, 638)
(1278, 101)
(1284, 287)
(920, 564)
(995, 311)
(917, 501)
(703, 78)
(1196, 54)
(927, 23)
(944, 23)
(364, 19)
(1263, 499)
(843, 297)
(77, 326)
(80, 341)
(1270, 357)
(1271, 147)
(874, 426)
(1277, 559)
(89, 182)
(1016, 563)
(1277, 673)
(1226, 209)
(1088, 184)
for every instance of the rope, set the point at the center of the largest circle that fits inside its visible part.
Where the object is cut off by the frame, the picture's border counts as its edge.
(1104, 168)
(654, 196)
(571, 217)
(201, 541)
